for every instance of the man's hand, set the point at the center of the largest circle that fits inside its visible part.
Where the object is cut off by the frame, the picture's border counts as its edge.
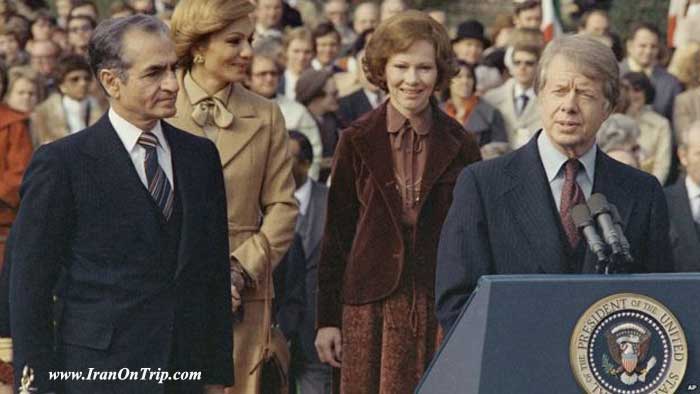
(329, 346)
(213, 389)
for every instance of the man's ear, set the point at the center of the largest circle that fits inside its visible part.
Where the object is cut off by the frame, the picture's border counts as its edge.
(110, 82)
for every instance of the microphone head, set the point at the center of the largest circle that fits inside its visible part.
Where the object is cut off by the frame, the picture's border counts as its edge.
(598, 204)
(581, 216)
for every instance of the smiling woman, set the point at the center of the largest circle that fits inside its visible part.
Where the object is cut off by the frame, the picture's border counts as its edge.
(212, 39)
(392, 183)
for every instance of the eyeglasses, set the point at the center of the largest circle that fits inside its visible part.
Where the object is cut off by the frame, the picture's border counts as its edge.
(80, 29)
(262, 74)
(529, 63)
(78, 78)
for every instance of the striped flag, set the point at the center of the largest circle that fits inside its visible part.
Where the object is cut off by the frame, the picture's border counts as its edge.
(551, 20)
(677, 10)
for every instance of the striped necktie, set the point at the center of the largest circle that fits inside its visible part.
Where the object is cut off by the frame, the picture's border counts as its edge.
(158, 184)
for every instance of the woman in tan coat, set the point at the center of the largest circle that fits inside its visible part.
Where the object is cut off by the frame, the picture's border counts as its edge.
(212, 42)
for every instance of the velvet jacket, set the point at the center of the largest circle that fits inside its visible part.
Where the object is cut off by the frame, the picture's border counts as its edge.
(362, 252)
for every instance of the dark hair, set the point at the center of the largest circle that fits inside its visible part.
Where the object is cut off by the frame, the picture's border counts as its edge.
(643, 26)
(306, 152)
(105, 49)
(324, 29)
(83, 3)
(69, 63)
(526, 5)
(471, 70)
(361, 42)
(495, 59)
(80, 17)
(640, 81)
(587, 15)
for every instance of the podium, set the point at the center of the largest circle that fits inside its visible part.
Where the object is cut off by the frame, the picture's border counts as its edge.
(620, 334)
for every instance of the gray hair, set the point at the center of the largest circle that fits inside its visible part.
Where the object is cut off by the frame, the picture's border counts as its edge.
(592, 59)
(106, 47)
(617, 132)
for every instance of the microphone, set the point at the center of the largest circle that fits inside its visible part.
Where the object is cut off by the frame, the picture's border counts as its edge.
(600, 210)
(583, 220)
(623, 240)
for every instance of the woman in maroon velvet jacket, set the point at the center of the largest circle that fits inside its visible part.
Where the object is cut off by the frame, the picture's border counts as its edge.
(392, 182)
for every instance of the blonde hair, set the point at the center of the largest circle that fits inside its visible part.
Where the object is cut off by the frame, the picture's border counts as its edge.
(297, 33)
(193, 21)
(16, 73)
(685, 64)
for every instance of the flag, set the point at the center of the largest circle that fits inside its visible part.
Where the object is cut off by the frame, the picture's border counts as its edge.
(677, 10)
(551, 20)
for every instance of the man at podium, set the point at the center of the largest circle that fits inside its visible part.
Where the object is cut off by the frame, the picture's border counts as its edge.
(512, 215)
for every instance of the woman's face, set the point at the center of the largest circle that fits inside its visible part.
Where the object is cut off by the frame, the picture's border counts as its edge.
(411, 77)
(462, 85)
(327, 48)
(41, 30)
(299, 56)
(9, 46)
(227, 54)
(23, 96)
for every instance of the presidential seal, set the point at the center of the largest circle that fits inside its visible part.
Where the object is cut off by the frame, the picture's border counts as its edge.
(628, 344)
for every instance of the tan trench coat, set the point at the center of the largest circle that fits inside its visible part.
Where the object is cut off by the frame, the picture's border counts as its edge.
(261, 206)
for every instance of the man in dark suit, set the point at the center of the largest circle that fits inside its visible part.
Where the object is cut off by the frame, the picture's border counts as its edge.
(511, 215)
(133, 211)
(684, 204)
(312, 376)
(643, 48)
(362, 100)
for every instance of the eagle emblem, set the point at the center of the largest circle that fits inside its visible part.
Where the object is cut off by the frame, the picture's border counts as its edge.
(628, 344)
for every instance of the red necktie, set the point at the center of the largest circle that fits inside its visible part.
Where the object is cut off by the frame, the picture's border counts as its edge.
(571, 195)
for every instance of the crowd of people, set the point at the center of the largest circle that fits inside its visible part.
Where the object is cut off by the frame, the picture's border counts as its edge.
(341, 130)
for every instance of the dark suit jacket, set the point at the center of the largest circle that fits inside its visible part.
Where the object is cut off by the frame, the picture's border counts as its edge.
(503, 220)
(85, 209)
(666, 88)
(310, 227)
(289, 289)
(362, 255)
(685, 239)
(352, 106)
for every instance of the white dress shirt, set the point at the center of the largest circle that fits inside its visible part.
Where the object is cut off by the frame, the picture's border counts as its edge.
(129, 135)
(693, 197)
(303, 196)
(553, 162)
(373, 98)
(290, 83)
(518, 92)
(76, 113)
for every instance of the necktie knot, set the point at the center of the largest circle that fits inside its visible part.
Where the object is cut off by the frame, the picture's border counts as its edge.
(148, 140)
(571, 168)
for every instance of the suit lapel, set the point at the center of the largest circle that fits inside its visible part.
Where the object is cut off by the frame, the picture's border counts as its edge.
(245, 125)
(531, 204)
(680, 204)
(373, 146)
(113, 170)
(183, 164)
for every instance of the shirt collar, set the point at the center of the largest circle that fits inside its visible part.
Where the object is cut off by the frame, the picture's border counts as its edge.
(74, 105)
(553, 159)
(421, 123)
(129, 134)
(197, 94)
(692, 187)
(519, 91)
(303, 196)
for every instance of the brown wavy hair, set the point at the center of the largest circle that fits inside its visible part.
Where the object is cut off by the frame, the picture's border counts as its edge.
(397, 34)
(194, 21)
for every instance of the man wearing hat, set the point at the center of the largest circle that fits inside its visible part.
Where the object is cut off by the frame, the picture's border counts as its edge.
(470, 41)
